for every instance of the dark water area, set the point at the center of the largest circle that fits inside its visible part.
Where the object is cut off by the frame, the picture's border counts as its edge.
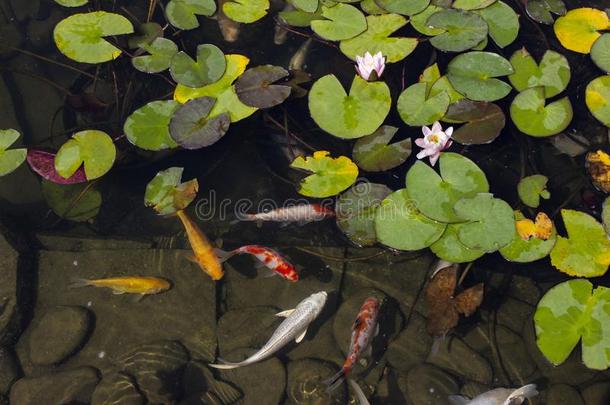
(60, 345)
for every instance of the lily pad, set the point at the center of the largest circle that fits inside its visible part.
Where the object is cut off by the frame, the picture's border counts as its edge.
(161, 52)
(569, 312)
(74, 202)
(597, 97)
(371, 7)
(93, 149)
(531, 188)
(309, 6)
(10, 159)
(474, 75)
(330, 175)
(71, 3)
(255, 89)
(166, 194)
(246, 11)
(600, 52)
(148, 126)
(528, 250)
(483, 121)
(419, 21)
(298, 18)
(208, 68)
(491, 222)
(471, 4)
(416, 109)
(436, 195)
(352, 115)
(182, 14)
(191, 126)
(356, 211)
(145, 34)
(533, 117)
(410, 7)
(462, 30)
(81, 36)
(342, 21)
(374, 153)
(579, 28)
(553, 72)
(43, 163)
(586, 250)
(502, 21)
(449, 247)
(542, 10)
(606, 215)
(377, 38)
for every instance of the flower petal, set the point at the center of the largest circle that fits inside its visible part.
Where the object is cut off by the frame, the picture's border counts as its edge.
(421, 142)
(449, 132)
(436, 127)
(434, 158)
(426, 131)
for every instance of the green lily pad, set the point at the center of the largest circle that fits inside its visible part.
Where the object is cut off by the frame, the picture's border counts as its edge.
(474, 75)
(462, 30)
(471, 4)
(309, 6)
(71, 3)
(166, 194)
(298, 18)
(161, 52)
(597, 97)
(410, 7)
(606, 215)
(74, 202)
(377, 38)
(444, 85)
(148, 126)
(542, 10)
(572, 311)
(449, 247)
(419, 21)
(182, 14)
(342, 21)
(531, 188)
(10, 159)
(525, 251)
(209, 67)
(81, 36)
(483, 121)
(586, 250)
(374, 153)
(246, 11)
(532, 117)
(145, 34)
(255, 87)
(371, 7)
(491, 222)
(192, 127)
(352, 115)
(553, 72)
(356, 212)
(502, 21)
(399, 225)
(436, 195)
(93, 149)
(330, 175)
(416, 109)
(600, 52)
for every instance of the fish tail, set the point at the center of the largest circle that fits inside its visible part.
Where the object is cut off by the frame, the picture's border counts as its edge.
(226, 365)
(79, 282)
(335, 381)
(224, 255)
(527, 391)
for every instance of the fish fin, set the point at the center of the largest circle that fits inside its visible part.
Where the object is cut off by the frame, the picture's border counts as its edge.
(79, 282)
(285, 224)
(138, 297)
(259, 223)
(458, 399)
(223, 255)
(436, 345)
(376, 330)
(269, 273)
(335, 381)
(285, 314)
(191, 258)
(301, 336)
(303, 222)
(368, 352)
(527, 391)
(226, 365)
(218, 243)
(362, 400)
(118, 292)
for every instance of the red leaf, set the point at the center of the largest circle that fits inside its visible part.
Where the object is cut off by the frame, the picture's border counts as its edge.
(43, 163)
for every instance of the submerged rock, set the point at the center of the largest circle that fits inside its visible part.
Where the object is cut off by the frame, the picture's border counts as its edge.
(305, 383)
(412, 346)
(563, 394)
(117, 389)
(428, 385)
(201, 387)
(596, 394)
(9, 370)
(472, 389)
(248, 327)
(457, 357)
(9, 310)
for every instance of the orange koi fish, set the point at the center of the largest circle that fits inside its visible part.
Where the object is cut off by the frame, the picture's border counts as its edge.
(203, 250)
(129, 285)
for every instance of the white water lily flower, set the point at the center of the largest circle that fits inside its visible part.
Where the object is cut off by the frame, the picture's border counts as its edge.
(370, 63)
(435, 141)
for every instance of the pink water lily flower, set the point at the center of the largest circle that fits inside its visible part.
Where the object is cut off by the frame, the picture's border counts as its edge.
(370, 64)
(435, 141)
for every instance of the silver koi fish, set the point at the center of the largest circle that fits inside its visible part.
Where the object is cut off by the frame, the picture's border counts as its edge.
(302, 214)
(293, 327)
(498, 396)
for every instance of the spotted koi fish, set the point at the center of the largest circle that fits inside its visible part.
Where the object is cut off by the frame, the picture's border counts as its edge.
(268, 257)
(364, 329)
(302, 214)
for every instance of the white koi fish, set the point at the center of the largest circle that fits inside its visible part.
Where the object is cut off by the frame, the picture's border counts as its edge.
(498, 396)
(302, 214)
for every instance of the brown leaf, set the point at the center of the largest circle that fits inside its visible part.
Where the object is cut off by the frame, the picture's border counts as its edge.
(598, 166)
(469, 300)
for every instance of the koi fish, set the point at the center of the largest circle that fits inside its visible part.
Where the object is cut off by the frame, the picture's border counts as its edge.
(360, 397)
(364, 329)
(302, 214)
(203, 251)
(280, 33)
(498, 396)
(297, 62)
(293, 327)
(270, 258)
(130, 285)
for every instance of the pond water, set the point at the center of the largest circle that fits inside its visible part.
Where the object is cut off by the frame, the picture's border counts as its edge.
(63, 345)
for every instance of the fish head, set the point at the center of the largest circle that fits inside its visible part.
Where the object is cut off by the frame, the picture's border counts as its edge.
(319, 298)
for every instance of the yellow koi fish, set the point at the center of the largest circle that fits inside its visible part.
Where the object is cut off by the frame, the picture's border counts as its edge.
(203, 250)
(129, 285)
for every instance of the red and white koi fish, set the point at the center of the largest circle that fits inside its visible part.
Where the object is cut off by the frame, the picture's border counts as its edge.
(364, 329)
(268, 257)
(302, 214)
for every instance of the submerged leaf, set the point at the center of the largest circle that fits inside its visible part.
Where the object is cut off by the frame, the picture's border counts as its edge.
(208, 68)
(374, 153)
(531, 188)
(182, 14)
(483, 121)
(148, 126)
(534, 117)
(474, 75)
(43, 163)
(10, 159)
(166, 194)
(74, 202)
(462, 30)
(330, 175)
(92, 149)
(578, 29)
(342, 21)
(553, 72)
(255, 87)
(598, 166)
(597, 97)
(191, 126)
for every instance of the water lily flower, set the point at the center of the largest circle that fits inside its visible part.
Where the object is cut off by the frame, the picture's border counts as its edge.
(370, 64)
(435, 141)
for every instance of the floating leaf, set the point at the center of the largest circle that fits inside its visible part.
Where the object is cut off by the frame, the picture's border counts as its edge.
(371, 7)
(81, 36)
(377, 38)
(598, 166)
(600, 52)
(74, 202)
(246, 11)
(586, 250)
(71, 3)
(400, 225)
(578, 29)
(419, 21)
(540, 10)
(374, 153)
(209, 67)
(473, 74)
(145, 34)
(192, 127)
(461, 30)
(161, 52)
(531, 188)
(255, 89)
(606, 215)
(10, 159)
(502, 21)
(568, 312)
(349, 116)
(166, 194)
(223, 91)
(309, 6)
(449, 247)
(330, 175)
(403, 7)
(528, 250)
(356, 211)
(597, 97)
(533, 117)
(182, 14)
(416, 109)
(444, 85)
(93, 149)
(472, 4)
(148, 126)
(436, 195)
(43, 163)
(553, 72)
(342, 21)
(483, 121)
(297, 18)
